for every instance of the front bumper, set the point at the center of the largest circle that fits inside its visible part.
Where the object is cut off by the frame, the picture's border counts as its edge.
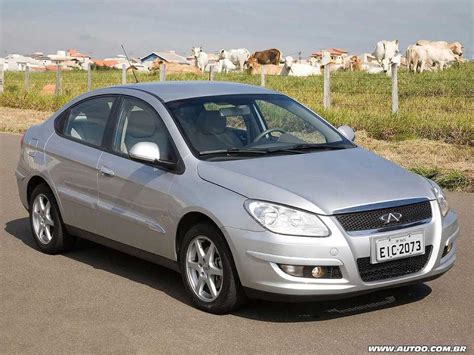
(258, 254)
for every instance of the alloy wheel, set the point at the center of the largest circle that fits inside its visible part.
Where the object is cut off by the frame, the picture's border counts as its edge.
(204, 268)
(43, 223)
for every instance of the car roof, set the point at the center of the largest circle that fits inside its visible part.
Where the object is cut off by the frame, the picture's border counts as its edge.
(179, 90)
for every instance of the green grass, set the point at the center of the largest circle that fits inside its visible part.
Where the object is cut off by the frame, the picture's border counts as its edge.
(437, 106)
(452, 180)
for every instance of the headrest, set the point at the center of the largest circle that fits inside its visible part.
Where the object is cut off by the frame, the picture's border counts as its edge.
(95, 111)
(141, 124)
(211, 122)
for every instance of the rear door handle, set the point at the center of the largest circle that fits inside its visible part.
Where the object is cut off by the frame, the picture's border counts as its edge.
(104, 171)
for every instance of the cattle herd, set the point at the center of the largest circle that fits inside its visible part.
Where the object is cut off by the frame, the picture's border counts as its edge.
(422, 56)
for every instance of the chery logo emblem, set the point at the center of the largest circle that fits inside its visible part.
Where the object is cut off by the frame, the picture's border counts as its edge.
(391, 217)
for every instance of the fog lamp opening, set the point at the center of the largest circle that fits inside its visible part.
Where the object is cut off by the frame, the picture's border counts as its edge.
(447, 249)
(312, 271)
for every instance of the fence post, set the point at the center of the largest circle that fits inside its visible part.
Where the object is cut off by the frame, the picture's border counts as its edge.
(262, 75)
(124, 74)
(211, 73)
(394, 88)
(27, 77)
(2, 78)
(57, 88)
(162, 72)
(89, 77)
(326, 88)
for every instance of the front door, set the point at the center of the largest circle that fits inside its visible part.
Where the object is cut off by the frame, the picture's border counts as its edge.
(133, 196)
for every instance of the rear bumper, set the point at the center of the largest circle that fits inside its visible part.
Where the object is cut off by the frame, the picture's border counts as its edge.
(258, 255)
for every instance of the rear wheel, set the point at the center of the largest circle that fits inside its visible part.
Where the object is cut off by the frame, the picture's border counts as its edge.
(46, 224)
(208, 270)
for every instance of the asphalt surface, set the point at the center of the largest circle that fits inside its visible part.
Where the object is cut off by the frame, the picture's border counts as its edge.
(95, 299)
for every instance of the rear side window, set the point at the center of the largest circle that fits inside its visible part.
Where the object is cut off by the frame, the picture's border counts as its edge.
(86, 121)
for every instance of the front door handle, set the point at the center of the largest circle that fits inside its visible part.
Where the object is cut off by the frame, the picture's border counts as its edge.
(104, 171)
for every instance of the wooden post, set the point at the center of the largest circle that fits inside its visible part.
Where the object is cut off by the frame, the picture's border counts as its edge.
(211, 73)
(57, 88)
(27, 77)
(162, 72)
(326, 88)
(89, 77)
(262, 75)
(2, 78)
(124, 74)
(394, 88)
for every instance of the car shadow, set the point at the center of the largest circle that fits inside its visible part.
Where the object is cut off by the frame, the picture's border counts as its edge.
(169, 282)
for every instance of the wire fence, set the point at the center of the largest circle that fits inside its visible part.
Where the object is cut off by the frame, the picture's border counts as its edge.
(330, 88)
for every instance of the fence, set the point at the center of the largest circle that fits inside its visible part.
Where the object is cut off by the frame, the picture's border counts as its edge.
(325, 81)
(211, 77)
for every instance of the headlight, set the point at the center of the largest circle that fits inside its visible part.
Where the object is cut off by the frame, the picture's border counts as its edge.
(440, 197)
(284, 220)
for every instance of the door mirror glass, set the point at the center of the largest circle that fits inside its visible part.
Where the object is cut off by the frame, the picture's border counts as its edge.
(348, 132)
(145, 151)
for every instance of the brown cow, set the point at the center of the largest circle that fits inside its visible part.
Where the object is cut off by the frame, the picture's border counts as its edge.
(356, 63)
(268, 56)
(255, 69)
(174, 68)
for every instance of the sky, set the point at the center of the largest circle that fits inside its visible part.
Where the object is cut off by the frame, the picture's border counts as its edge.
(99, 27)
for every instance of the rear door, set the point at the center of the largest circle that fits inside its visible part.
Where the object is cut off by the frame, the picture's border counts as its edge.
(134, 197)
(75, 153)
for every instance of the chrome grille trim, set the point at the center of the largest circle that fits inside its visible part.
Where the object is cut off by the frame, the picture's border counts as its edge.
(381, 205)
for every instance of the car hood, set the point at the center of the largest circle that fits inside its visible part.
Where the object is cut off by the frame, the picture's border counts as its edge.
(322, 182)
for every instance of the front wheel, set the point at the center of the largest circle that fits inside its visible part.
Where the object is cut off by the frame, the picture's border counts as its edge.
(208, 270)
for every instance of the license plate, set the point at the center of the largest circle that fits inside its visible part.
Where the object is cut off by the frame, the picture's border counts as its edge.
(390, 248)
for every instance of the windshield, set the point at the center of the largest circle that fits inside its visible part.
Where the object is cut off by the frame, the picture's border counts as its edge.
(252, 125)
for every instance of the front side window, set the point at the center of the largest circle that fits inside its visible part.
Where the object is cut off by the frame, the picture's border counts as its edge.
(139, 122)
(86, 121)
(253, 125)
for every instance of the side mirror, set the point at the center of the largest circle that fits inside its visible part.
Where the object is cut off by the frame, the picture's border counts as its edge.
(150, 152)
(347, 132)
(145, 151)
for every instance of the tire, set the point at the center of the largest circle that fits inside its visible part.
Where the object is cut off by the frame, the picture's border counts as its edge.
(46, 223)
(230, 294)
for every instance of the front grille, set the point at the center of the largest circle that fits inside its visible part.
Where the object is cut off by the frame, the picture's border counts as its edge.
(394, 268)
(365, 220)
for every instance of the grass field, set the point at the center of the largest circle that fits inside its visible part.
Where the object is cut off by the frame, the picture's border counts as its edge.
(433, 133)
(432, 105)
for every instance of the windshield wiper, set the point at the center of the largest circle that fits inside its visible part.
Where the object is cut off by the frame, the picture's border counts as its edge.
(233, 151)
(295, 149)
(307, 146)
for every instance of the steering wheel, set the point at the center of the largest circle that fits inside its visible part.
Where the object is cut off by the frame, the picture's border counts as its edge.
(267, 131)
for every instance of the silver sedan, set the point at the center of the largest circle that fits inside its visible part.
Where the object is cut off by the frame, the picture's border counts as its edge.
(242, 190)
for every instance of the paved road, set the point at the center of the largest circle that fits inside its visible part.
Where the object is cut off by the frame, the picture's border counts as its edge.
(95, 299)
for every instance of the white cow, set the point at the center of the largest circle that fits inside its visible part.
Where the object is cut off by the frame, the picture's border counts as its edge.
(221, 66)
(440, 57)
(224, 66)
(417, 58)
(201, 58)
(456, 47)
(237, 56)
(386, 53)
(314, 62)
(299, 69)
